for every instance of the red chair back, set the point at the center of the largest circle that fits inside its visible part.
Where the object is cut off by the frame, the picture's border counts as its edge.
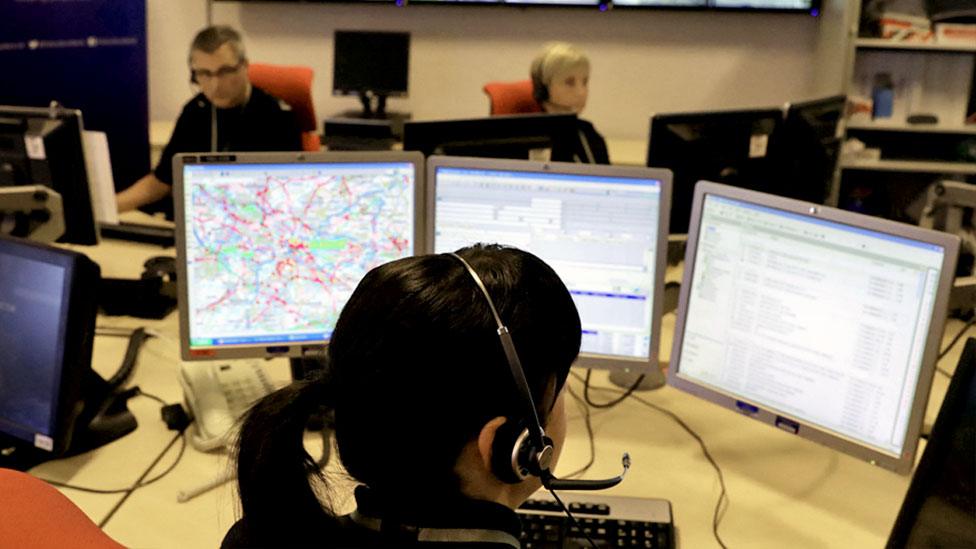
(293, 85)
(511, 97)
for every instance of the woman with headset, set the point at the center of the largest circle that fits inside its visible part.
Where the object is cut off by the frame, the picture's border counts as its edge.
(445, 377)
(561, 84)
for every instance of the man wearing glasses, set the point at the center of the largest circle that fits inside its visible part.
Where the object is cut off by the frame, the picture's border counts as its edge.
(229, 114)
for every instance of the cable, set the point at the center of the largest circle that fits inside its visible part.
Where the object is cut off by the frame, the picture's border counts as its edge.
(158, 477)
(952, 344)
(138, 337)
(139, 483)
(723, 494)
(612, 403)
(589, 433)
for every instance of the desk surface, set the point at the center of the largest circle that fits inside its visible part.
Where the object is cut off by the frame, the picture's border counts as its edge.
(784, 491)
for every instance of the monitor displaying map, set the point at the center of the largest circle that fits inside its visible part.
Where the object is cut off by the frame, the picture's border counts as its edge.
(273, 245)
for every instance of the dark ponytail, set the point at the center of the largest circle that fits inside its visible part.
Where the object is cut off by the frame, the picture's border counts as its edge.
(274, 470)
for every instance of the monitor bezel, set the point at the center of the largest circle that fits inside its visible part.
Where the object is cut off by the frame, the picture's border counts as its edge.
(649, 365)
(77, 331)
(278, 350)
(899, 464)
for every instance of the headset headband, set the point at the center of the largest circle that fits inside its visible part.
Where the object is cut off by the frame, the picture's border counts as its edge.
(515, 365)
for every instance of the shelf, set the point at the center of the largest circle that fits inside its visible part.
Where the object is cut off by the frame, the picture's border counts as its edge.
(916, 166)
(912, 128)
(883, 44)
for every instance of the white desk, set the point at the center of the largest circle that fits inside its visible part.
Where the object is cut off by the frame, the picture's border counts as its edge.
(784, 491)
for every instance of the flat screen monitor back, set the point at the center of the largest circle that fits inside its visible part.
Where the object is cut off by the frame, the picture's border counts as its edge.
(371, 62)
(508, 136)
(44, 147)
(271, 245)
(601, 228)
(47, 323)
(940, 507)
(807, 147)
(821, 322)
(731, 147)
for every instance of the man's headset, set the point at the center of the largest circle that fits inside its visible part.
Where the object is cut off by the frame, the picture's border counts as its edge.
(521, 448)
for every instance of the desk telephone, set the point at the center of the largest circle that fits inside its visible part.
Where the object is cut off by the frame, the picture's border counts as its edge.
(217, 395)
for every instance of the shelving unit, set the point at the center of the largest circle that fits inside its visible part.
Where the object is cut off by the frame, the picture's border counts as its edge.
(929, 78)
(911, 166)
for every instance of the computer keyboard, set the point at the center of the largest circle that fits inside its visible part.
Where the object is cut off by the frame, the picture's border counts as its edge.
(609, 521)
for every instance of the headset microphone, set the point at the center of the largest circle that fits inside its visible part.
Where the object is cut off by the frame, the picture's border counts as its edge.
(552, 483)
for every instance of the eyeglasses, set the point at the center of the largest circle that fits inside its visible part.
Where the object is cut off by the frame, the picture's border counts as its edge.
(222, 72)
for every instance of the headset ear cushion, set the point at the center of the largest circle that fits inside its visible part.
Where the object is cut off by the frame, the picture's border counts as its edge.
(504, 452)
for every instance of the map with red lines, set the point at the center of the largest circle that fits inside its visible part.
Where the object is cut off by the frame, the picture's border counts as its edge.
(273, 254)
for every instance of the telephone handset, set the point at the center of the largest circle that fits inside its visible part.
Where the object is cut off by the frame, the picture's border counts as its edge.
(217, 394)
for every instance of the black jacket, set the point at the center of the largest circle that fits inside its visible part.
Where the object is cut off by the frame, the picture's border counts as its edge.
(460, 522)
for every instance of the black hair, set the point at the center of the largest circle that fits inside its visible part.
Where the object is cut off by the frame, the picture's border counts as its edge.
(415, 371)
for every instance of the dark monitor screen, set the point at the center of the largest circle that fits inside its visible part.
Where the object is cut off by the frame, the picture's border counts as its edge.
(731, 147)
(940, 507)
(807, 148)
(41, 146)
(376, 62)
(521, 136)
(47, 318)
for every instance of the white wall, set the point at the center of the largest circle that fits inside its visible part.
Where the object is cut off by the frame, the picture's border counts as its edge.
(643, 61)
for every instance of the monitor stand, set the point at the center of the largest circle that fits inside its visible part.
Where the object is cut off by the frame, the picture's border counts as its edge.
(625, 379)
(104, 417)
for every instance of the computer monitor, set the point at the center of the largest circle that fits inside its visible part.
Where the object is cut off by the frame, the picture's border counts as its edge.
(730, 147)
(271, 245)
(44, 146)
(519, 136)
(49, 394)
(940, 506)
(807, 147)
(821, 322)
(371, 64)
(601, 228)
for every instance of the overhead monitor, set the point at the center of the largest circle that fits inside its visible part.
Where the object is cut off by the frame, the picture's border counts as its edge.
(730, 147)
(271, 245)
(44, 146)
(807, 147)
(520, 136)
(940, 505)
(371, 64)
(47, 324)
(820, 322)
(601, 228)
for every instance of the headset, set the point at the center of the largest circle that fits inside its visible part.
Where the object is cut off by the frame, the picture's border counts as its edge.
(540, 92)
(521, 448)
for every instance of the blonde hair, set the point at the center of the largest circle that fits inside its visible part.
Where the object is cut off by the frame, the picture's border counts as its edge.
(554, 58)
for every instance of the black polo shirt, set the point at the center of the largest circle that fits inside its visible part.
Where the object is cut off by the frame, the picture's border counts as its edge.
(264, 123)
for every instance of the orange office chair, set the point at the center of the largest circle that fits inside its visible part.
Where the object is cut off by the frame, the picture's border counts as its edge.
(35, 514)
(293, 85)
(511, 97)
